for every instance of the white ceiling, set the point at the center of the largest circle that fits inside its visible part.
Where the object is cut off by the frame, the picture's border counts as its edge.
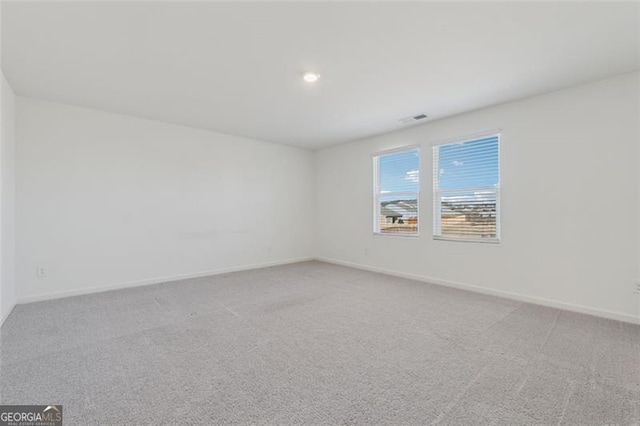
(236, 68)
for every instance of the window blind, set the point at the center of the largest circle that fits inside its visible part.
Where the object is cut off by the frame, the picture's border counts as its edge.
(466, 187)
(396, 184)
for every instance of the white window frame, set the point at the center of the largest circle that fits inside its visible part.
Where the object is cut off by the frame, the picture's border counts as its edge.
(437, 217)
(376, 190)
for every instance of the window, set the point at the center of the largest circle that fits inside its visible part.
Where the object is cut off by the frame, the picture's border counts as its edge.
(466, 189)
(396, 183)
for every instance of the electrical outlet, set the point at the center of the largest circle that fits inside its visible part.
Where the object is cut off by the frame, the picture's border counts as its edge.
(636, 288)
(41, 271)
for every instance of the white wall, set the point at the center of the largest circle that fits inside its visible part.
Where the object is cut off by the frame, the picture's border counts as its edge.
(575, 152)
(7, 200)
(106, 200)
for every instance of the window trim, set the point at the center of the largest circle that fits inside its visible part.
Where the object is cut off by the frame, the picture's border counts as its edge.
(376, 192)
(437, 217)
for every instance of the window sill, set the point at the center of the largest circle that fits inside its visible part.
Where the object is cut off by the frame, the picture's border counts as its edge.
(384, 234)
(468, 240)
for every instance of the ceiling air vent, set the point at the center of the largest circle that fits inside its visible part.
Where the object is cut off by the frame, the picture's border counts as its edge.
(413, 118)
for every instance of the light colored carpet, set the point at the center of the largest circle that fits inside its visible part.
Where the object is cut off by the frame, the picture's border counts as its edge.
(313, 343)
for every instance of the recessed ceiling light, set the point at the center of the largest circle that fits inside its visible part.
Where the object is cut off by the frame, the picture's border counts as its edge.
(310, 77)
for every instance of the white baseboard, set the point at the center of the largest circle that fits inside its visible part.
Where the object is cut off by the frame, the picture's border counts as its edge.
(463, 286)
(500, 293)
(157, 280)
(5, 316)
